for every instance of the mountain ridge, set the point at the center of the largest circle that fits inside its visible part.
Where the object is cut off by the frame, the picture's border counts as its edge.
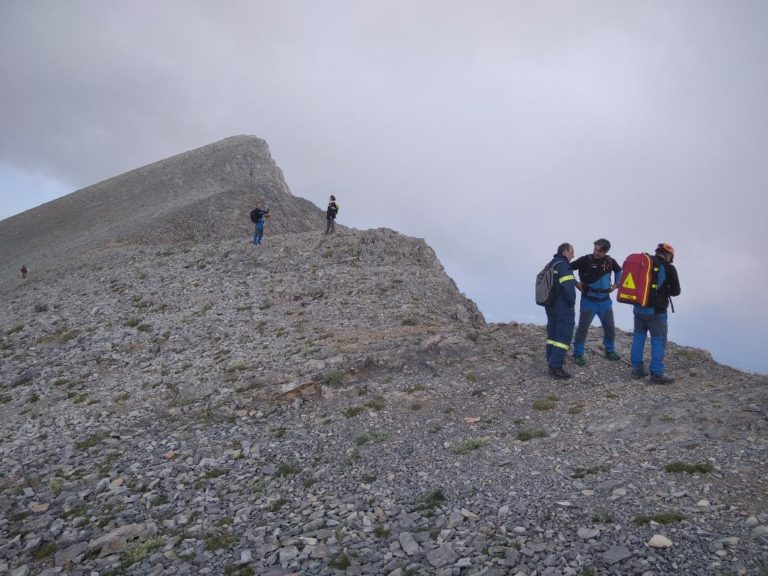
(325, 404)
(201, 194)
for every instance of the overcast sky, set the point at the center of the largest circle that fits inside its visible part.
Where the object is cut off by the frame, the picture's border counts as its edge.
(493, 129)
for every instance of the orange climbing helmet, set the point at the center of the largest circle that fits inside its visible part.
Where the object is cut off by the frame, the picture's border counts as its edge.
(664, 247)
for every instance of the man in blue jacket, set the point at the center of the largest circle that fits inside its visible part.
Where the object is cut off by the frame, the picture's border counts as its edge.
(560, 314)
(595, 284)
(653, 318)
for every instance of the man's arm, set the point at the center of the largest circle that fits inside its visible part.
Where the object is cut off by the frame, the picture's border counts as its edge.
(673, 281)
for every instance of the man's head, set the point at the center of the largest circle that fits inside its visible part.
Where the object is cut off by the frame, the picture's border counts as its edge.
(566, 251)
(602, 246)
(666, 251)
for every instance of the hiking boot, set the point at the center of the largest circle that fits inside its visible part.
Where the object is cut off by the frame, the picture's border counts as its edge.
(661, 379)
(637, 374)
(559, 373)
(612, 355)
(579, 360)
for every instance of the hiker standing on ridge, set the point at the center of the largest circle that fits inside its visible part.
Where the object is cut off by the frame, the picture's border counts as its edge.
(257, 217)
(595, 284)
(653, 318)
(330, 215)
(560, 314)
(23, 271)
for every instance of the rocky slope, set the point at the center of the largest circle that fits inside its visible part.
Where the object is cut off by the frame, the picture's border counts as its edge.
(175, 400)
(333, 405)
(199, 195)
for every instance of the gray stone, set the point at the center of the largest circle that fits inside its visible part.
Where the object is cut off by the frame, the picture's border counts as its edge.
(441, 556)
(409, 544)
(616, 554)
(70, 554)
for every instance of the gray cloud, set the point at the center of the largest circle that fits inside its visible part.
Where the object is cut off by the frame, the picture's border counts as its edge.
(495, 130)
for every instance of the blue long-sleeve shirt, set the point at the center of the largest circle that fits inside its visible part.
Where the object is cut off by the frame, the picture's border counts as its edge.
(595, 274)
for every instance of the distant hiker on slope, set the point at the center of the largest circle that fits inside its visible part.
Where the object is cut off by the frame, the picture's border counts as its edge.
(330, 215)
(257, 217)
(653, 318)
(560, 314)
(595, 284)
(24, 271)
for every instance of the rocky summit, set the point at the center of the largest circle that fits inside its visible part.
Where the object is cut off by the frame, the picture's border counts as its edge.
(332, 404)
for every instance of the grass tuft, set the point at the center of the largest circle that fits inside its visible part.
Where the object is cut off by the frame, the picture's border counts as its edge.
(661, 518)
(678, 467)
(525, 435)
(467, 446)
(372, 437)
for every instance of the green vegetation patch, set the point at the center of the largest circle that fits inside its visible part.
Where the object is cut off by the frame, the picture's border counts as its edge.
(341, 562)
(376, 404)
(287, 470)
(220, 541)
(372, 437)
(467, 446)
(525, 435)
(661, 518)
(542, 405)
(238, 570)
(45, 551)
(56, 485)
(353, 411)
(141, 550)
(431, 500)
(602, 517)
(583, 472)
(678, 467)
(334, 378)
(91, 441)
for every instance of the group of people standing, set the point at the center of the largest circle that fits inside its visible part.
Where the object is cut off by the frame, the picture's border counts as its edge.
(599, 275)
(260, 213)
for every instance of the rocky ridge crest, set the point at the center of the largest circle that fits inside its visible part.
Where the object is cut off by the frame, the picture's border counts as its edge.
(200, 195)
(333, 404)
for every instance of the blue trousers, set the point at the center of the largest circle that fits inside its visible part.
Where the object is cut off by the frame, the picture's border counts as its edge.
(560, 323)
(258, 232)
(587, 312)
(656, 324)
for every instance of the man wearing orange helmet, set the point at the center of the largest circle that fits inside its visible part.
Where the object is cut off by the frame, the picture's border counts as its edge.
(653, 318)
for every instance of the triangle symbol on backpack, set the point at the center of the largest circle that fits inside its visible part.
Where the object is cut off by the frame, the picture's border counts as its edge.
(629, 282)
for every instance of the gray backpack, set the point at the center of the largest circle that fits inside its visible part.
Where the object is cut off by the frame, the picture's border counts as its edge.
(546, 286)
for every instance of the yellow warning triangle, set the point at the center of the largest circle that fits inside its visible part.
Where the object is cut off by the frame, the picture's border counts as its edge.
(629, 282)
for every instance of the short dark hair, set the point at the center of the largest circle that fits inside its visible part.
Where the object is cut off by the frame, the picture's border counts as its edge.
(562, 248)
(603, 245)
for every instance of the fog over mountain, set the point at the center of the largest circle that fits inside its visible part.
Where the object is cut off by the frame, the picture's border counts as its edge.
(495, 130)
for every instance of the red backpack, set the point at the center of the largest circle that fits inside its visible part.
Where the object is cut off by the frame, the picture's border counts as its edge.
(638, 280)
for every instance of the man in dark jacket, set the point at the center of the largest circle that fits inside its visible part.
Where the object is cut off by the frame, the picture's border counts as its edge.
(560, 314)
(330, 215)
(595, 272)
(257, 217)
(653, 318)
